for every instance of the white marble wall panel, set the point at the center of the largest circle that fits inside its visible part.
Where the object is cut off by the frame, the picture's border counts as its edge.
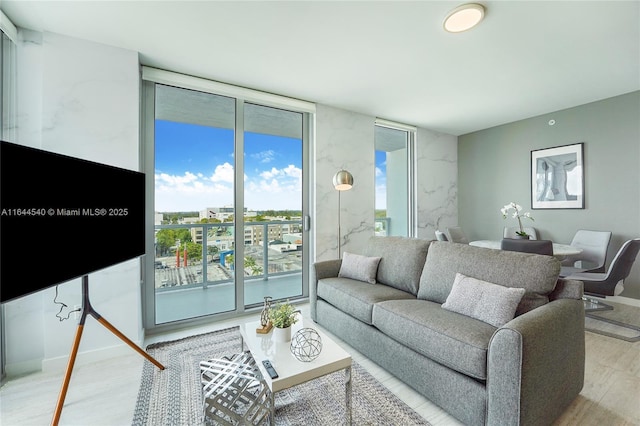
(437, 182)
(81, 99)
(29, 102)
(343, 140)
(90, 106)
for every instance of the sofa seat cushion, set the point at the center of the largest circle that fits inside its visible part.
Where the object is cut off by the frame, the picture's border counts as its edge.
(454, 340)
(402, 260)
(357, 298)
(535, 273)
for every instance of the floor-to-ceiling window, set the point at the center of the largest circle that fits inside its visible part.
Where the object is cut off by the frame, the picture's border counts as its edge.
(228, 198)
(394, 210)
(7, 119)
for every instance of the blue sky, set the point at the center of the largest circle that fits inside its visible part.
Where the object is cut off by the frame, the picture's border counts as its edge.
(194, 169)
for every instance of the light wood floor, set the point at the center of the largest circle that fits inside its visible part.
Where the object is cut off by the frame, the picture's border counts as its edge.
(104, 393)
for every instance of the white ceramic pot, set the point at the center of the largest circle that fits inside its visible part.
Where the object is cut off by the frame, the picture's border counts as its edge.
(282, 334)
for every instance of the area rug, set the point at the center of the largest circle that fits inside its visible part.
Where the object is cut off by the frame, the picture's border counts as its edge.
(173, 396)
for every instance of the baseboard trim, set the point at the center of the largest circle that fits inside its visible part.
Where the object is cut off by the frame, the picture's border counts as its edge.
(83, 358)
(19, 369)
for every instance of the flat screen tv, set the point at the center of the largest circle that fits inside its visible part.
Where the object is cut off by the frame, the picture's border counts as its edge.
(62, 217)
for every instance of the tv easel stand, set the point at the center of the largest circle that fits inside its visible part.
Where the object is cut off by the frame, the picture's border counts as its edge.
(87, 309)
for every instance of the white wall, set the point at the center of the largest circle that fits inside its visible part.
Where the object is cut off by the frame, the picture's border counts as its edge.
(82, 99)
(495, 170)
(437, 182)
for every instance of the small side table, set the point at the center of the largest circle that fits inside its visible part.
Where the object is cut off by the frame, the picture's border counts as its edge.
(234, 392)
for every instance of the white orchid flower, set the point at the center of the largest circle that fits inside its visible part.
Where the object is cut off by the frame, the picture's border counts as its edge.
(516, 215)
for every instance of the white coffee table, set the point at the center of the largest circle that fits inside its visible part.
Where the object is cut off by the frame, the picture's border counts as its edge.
(290, 370)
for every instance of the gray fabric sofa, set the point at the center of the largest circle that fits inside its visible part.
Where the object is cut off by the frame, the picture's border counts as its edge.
(525, 372)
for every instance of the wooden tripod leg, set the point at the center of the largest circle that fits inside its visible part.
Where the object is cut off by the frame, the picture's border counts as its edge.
(87, 309)
(117, 332)
(67, 375)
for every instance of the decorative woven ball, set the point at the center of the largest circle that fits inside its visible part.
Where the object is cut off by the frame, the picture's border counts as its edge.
(306, 344)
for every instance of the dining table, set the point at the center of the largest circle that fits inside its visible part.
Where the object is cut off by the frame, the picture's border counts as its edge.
(559, 250)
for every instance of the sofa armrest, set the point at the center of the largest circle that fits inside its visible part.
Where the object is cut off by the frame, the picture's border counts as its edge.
(536, 364)
(323, 269)
(567, 289)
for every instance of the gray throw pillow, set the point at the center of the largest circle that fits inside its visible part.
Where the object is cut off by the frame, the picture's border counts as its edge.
(482, 300)
(359, 267)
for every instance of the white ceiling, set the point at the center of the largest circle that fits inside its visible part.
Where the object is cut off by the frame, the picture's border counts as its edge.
(389, 59)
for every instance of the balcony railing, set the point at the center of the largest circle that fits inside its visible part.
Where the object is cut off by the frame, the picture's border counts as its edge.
(382, 226)
(270, 249)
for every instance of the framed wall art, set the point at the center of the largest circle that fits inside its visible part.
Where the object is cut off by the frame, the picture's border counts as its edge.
(557, 177)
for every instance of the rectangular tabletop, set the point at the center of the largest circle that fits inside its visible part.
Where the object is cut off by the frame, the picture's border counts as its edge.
(290, 370)
(559, 250)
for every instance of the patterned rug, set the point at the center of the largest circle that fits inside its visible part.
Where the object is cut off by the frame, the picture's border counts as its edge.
(174, 396)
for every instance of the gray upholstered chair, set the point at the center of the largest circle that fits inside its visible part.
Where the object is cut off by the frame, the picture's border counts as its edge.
(441, 236)
(510, 232)
(610, 283)
(594, 245)
(457, 235)
(528, 246)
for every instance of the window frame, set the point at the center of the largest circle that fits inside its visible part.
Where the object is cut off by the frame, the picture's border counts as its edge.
(412, 131)
(8, 112)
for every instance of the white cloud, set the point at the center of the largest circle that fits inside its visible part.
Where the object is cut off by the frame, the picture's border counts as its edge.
(264, 156)
(223, 173)
(270, 174)
(190, 192)
(270, 189)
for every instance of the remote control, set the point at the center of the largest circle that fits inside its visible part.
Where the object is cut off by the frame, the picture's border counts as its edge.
(272, 371)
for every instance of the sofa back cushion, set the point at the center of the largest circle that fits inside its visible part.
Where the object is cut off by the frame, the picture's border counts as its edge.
(535, 273)
(402, 261)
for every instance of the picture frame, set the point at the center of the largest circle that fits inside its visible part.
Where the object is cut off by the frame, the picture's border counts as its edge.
(557, 177)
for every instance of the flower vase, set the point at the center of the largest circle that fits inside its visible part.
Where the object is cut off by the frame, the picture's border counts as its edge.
(282, 334)
(521, 237)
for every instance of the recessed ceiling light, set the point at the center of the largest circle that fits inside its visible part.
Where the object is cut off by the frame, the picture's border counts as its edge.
(463, 18)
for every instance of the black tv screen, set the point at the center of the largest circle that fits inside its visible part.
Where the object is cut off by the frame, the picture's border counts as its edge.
(62, 217)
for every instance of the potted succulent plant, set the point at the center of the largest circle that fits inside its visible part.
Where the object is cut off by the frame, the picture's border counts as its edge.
(282, 317)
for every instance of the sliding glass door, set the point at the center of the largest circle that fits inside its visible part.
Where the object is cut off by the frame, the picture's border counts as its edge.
(228, 203)
(194, 203)
(273, 147)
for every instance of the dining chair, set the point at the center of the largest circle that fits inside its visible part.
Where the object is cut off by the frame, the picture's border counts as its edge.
(610, 283)
(441, 236)
(528, 246)
(510, 232)
(594, 245)
(457, 235)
